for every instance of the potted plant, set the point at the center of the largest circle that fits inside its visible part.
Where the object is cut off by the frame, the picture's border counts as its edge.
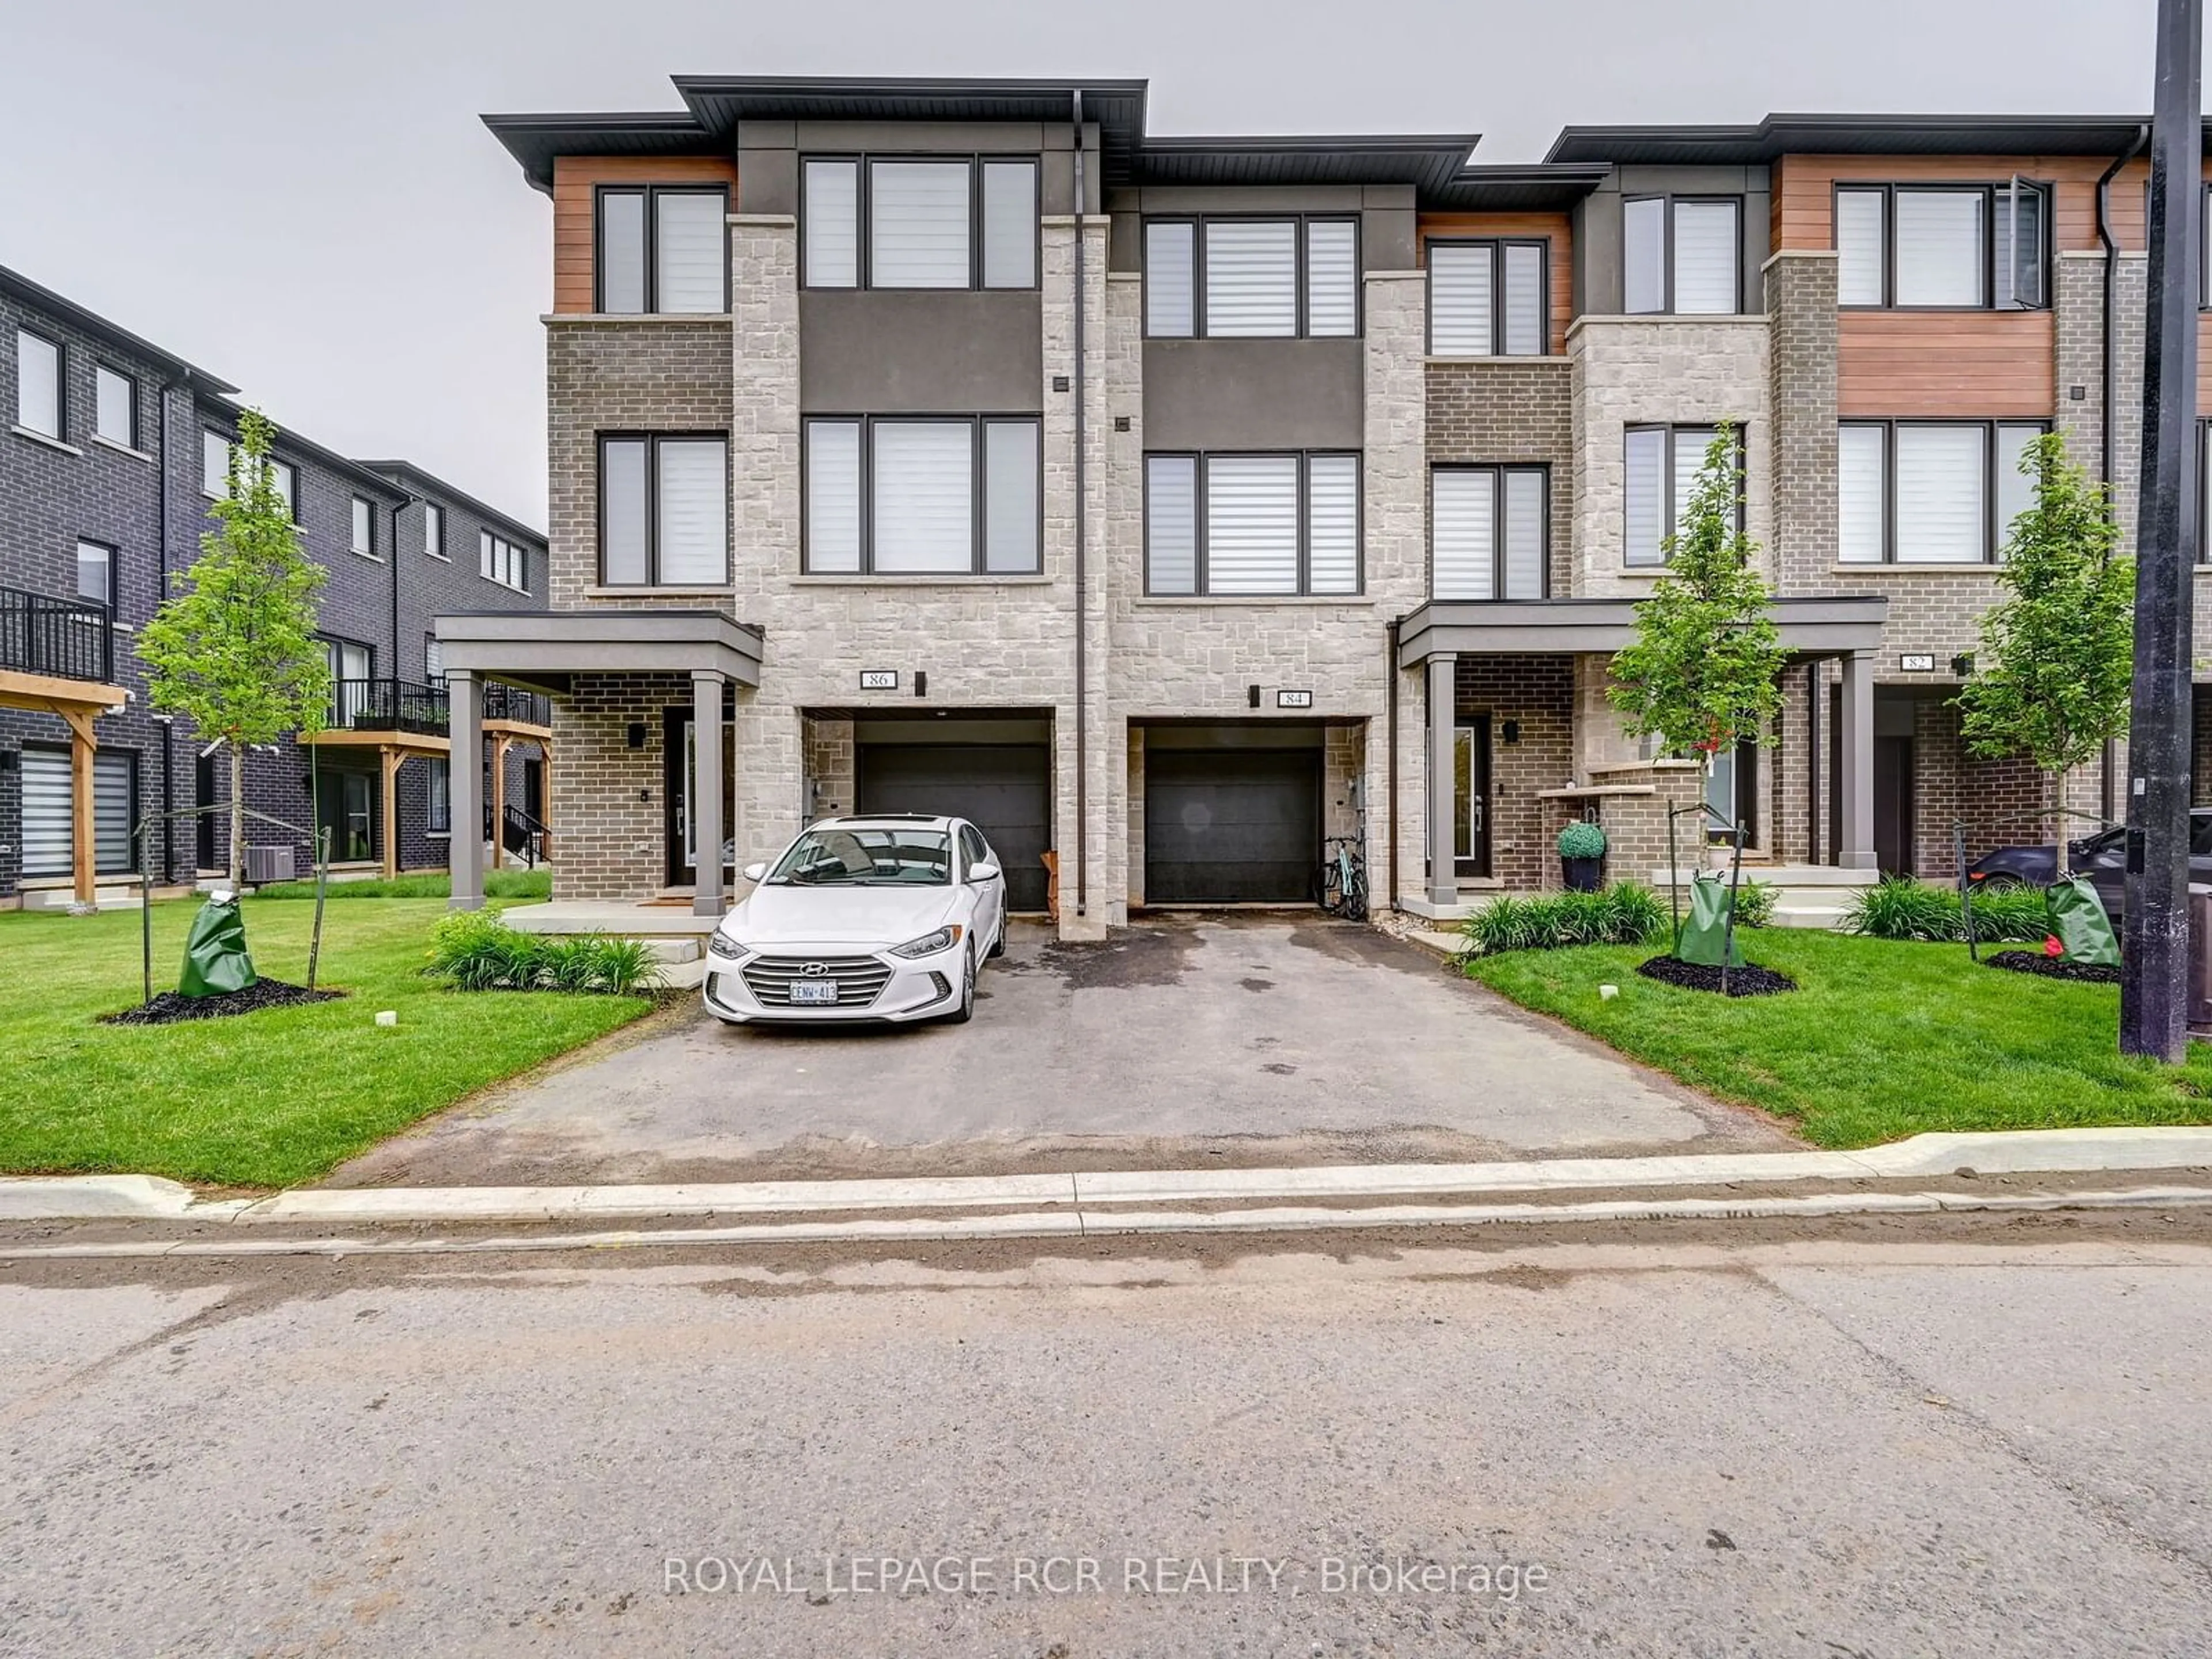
(1581, 856)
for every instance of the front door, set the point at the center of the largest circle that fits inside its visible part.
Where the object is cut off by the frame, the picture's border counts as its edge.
(1471, 796)
(349, 812)
(682, 771)
(1892, 805)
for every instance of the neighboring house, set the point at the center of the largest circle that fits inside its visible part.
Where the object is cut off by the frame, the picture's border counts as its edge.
(115, 450)
(1375, 450)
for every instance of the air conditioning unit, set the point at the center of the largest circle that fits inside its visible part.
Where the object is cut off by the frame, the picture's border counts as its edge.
(268, 864)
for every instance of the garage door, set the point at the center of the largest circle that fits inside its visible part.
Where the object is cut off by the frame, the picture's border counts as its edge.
(1231, 825)
(1004, 789)
(49, 814)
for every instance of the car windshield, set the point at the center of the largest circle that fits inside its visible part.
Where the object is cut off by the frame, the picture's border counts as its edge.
(838, 857)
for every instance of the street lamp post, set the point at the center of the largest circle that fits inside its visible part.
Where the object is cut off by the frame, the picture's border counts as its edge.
(2154, 954)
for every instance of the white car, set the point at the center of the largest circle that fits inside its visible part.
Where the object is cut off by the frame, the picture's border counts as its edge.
(887, 918)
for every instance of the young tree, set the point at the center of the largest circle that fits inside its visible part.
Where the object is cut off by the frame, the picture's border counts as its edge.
(2052, 678)
(234, 648)
(1704, 673)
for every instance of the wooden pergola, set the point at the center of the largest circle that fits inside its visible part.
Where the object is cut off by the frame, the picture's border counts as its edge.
(395, 748)
(79, 704)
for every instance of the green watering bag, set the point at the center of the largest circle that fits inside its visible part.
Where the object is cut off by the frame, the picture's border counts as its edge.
(1706, 927)
(215, 952)
(2078, 918)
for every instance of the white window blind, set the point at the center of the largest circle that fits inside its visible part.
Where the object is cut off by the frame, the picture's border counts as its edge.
(623, 514)
(1251, 278)
(1460, 298)
(924, 516)
(1643, 488)
(1010, 495)
(1939, 471)
(693, 512)
(918, 224)
(433, 530)
(1169, 314)
(284, 479)
(1333, 524)
(1860, 253)
(833, 224)
(1010, 191)
(215, 465)
(1331, 277)
(1861, 470)
(95, 571)
(1524, 533)
(617, 456)
(1690, 443)
(1526, 301)
(622, 251)
(38, 384)
(2015, 489)
(1462, 533)
(114, 414)
(1643, 255)
(364, 525)
(1706, 248)
(1939, 248)
(833, 496)
(1252, 524)
(688, 244)
(1171, 523)
(50, 811)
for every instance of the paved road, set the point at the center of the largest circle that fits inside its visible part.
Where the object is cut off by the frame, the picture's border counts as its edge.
(1885, 1442)
(1182, 1042)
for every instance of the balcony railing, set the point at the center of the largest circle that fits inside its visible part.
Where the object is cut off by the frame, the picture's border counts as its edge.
(67, 638)
(388, 706)
(505, 703)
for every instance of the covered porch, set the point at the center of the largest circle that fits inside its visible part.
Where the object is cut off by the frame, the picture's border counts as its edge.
(653, 781)
(1517, 738)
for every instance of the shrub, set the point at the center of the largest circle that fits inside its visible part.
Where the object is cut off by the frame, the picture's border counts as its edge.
(1624, 913)
(1582, 840)
(1754, 904)
(1902, 909)
(477, 952)
(2021, 916)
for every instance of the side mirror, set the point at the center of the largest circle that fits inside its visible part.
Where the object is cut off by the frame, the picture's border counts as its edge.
(985, 871)
(753, 872)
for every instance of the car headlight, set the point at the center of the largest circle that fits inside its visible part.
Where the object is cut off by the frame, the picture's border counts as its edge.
(722, 945)
(930, 944)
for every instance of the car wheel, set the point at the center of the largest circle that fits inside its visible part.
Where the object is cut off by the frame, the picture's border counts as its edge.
(966, 1011)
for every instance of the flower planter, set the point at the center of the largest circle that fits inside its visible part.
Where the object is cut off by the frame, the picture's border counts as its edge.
(1582, 875)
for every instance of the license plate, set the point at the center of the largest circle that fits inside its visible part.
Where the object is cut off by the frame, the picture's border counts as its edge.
(815, 991)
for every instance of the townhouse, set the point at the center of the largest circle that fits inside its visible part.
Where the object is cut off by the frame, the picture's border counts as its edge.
(115, 449)
(1168, 505)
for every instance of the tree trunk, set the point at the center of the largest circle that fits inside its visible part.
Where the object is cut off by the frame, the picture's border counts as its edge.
(2059, 872)
(237, 818)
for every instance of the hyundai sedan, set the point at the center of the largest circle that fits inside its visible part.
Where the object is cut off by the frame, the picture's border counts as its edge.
(887, 918)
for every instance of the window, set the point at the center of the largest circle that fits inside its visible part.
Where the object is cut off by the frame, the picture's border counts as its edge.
(933, 222)
(1952, 246)
(1930, 492)
(1487, 535)
(924, 497)
(95, 572)
(214, 473)
(434, 660)
(284, 479)
(115, 406)
(439, 813)
(1682, 254)
(1477, 309)
(661, 249)
(1662, 469)
(352, 667)
(499, 559)
(364, 527)
(1252, 278)
(433, 530)
(1263, 526)
(38, 384)
(664, 512)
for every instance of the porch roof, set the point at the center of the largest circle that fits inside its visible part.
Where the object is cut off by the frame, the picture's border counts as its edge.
(1820, 626)
(545, 650)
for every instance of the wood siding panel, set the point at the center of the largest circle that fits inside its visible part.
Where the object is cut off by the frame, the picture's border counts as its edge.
(1554, 228)
(1939, 363)
(1803, 202)
(574, 178)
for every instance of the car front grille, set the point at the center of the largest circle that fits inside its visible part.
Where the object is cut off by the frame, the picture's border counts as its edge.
(859, 980)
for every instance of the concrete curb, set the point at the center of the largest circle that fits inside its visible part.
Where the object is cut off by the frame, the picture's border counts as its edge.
(96, 1198)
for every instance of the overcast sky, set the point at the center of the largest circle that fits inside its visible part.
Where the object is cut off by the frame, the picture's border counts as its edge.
(301, 199)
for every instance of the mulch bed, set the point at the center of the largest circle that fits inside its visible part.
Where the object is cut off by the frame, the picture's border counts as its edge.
(1748, 981)
(169, 1007)
(2034, 962)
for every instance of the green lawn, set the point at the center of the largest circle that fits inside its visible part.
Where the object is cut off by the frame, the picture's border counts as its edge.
(1879, 1041)
(266, 1099)
(430, 884)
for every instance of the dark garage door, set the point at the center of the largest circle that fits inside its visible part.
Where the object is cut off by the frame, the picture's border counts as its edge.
(1231, 825)
(1004, 789)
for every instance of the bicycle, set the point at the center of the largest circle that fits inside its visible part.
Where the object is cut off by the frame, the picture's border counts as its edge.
(1342, 880)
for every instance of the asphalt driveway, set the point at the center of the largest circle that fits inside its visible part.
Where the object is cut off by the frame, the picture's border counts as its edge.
(1187, 1041)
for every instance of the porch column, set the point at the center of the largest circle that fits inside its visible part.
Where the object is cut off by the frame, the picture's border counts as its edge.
(464, 789)
(706, 792)
(84, 845)
(1443, 695)
(1855, 779)
(390, 757)
(499, 742)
